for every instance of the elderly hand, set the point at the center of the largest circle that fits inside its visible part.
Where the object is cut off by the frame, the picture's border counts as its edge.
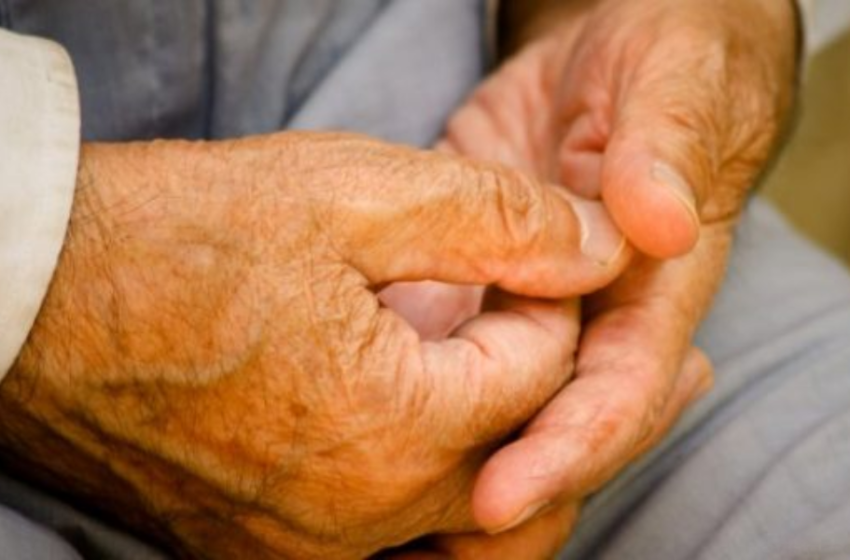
(212, 366)
(667, 110)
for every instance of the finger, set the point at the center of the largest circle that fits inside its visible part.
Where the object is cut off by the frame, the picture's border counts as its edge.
(460, 222)
(432, 308)
(696, 379)
(626, 392)
(691, 133)
(501, 367)
(452, 400)
(475, 121)
(661, 159)
(539, 539)
(471, 391)
(582, 172)
(581, 155)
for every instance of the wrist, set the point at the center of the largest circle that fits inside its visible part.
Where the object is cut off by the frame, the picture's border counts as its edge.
(47, 434)
(70, 333)
(133, 334)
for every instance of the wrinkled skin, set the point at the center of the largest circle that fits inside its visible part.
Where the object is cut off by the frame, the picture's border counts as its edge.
(667, 110)
(212, 367)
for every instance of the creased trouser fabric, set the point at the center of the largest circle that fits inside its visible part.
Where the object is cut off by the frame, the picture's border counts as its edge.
(760, 469)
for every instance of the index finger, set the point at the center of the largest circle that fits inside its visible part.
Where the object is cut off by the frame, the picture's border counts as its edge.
(419, 215)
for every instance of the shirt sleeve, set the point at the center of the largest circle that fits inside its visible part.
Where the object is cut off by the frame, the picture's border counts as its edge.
(39, 151)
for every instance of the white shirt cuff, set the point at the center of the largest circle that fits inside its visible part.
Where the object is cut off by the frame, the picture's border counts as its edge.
(39, 151)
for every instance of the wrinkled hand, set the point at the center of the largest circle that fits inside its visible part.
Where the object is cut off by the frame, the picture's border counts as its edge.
(667, 110)
(212, 366)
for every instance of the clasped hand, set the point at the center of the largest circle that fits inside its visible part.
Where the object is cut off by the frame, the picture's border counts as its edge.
(667, 111)
(212, 365)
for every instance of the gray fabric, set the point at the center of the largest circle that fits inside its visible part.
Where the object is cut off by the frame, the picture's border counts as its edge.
(22, 539)
(74, 531)
(194, 68)
(760, 469)
(228, 68)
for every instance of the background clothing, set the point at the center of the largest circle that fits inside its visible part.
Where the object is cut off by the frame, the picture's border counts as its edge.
(227, 68)
(39, 141)
(764, 458)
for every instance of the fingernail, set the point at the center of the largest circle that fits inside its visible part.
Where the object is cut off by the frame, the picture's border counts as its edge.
(528, 513)
(677, 186)
(601, 241)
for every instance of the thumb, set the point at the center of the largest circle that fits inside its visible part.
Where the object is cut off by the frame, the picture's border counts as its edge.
(657, 166)
(472, 223)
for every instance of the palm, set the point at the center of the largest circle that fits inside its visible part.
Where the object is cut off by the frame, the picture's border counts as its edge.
(515, 117)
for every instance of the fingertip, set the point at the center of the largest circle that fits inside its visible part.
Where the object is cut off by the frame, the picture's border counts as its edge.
(508, 490)
(653, 205)
(496, 506)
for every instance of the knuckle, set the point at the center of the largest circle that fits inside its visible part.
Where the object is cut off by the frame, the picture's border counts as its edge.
(603, 425)
(632, 419)
(519, 205)
(752, 137)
